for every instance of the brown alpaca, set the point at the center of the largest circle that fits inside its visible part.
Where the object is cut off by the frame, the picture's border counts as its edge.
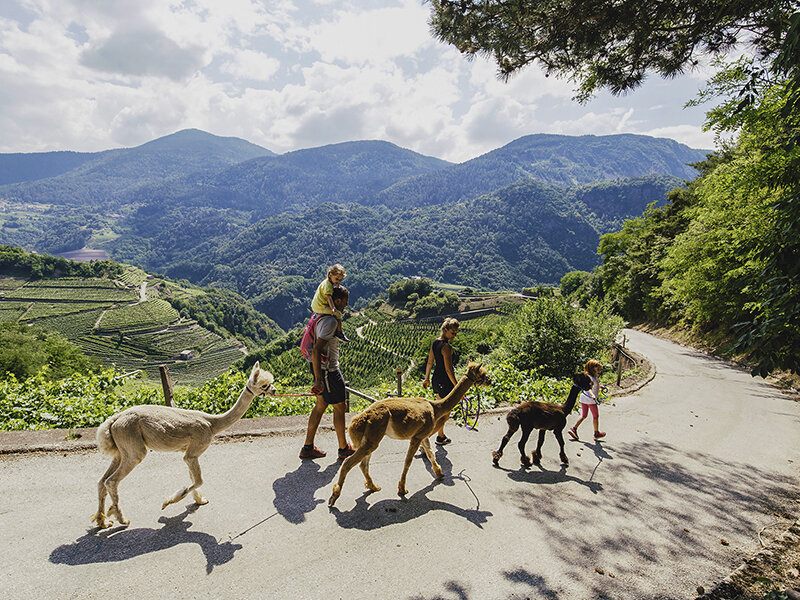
(543, 416)
(127, 435)
(413, 419)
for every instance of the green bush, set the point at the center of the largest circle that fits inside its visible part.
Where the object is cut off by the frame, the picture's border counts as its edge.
(552, 338)
(25, 351)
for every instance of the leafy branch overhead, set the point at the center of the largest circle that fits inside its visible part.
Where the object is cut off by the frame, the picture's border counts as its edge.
(608, 44)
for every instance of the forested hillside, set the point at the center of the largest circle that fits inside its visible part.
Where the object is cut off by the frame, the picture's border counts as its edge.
(523, 234)
(224, 212)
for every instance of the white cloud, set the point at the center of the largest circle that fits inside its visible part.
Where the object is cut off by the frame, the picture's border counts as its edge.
(143, 52)
(247, 64)
(373, 36)
(286, 74)
(691, 135)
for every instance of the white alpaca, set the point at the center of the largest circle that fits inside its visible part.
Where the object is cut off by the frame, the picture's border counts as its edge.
(127, 435)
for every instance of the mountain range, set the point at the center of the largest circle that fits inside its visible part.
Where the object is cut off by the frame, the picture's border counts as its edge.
(227, 212)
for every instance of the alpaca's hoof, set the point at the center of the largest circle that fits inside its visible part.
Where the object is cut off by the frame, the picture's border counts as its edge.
(496, 458)
(401, 490)
(99, 519)
(372, 487)
(438, 473)
(200, 500)
(337, 489)
(525, 461)
(564, 460)
(537, 459)
(114, 510)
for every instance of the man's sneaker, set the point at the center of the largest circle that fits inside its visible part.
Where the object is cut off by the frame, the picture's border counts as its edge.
(442, 440)
(573, 434)
(599, 434)
(342, 336)
(346, 451)
(311, 452)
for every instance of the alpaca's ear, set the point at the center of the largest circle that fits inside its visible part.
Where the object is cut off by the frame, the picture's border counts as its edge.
(256, 368)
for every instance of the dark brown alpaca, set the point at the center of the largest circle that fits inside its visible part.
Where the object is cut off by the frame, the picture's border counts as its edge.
(543, 416)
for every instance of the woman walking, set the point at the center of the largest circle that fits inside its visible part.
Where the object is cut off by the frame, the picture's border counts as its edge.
(441, 358)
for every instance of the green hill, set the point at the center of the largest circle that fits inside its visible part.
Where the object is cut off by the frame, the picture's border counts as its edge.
(127, 318)
(102, 178)
(556, 159)
(518, 236)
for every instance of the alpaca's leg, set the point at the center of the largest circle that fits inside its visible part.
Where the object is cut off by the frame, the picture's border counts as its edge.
(127, 463)
(523, 457)
(426, 448)
(560, 438)
(537, 454)
(99, 517)
(197, 481)
(351, 461)
(368, 483)
(413, 445)
(512, 429)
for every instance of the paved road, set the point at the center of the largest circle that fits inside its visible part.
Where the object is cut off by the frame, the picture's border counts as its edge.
(701, 454)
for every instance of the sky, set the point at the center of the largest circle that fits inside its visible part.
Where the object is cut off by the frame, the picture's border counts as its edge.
(90, 75)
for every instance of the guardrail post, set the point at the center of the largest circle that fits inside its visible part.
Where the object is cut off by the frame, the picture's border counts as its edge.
(346, 396)
(166, 383)
(399, 382)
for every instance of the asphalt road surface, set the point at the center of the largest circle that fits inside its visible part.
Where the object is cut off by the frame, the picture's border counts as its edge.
(695, 465)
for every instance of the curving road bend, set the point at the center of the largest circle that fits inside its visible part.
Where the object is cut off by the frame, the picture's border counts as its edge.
(695, 465)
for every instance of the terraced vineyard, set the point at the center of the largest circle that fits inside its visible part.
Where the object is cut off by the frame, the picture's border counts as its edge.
(72, 290)
(105, 318)
(147, 315)
(401, 338)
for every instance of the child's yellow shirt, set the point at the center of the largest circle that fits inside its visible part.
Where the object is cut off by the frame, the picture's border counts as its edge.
(319, 304)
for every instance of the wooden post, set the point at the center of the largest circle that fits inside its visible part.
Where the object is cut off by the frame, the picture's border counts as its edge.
(399, 382)
(619, 369)
(166, 383)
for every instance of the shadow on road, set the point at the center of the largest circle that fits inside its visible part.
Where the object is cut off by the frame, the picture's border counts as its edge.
(294, 492)
(697, 500)
(392, 511)
(120, 543)
(544, 477)
(536, 583)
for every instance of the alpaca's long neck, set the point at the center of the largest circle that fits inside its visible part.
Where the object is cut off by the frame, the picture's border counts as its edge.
(570, 402)
(447, 403)
(226, 419)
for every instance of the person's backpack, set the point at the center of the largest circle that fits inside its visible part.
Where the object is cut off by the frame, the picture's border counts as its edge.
(309, 337)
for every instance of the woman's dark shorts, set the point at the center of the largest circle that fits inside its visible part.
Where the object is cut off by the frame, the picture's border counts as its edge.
(442, 388)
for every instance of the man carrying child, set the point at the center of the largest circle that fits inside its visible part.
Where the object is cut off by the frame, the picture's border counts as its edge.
(328, 379)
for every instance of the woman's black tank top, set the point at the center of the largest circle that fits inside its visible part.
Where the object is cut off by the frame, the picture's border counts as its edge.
(439, 372)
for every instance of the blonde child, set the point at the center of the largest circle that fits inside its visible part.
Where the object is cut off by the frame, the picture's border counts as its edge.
(588, 399)
(322, 303)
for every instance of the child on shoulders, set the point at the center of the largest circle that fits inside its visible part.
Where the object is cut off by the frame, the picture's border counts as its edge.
(322, 303)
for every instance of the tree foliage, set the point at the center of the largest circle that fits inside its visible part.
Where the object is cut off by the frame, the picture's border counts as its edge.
(605, 43)
(25, 351)
(19, 263)
(553, 338)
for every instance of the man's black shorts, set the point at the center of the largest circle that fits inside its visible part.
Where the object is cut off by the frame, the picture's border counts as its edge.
(333, 387)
